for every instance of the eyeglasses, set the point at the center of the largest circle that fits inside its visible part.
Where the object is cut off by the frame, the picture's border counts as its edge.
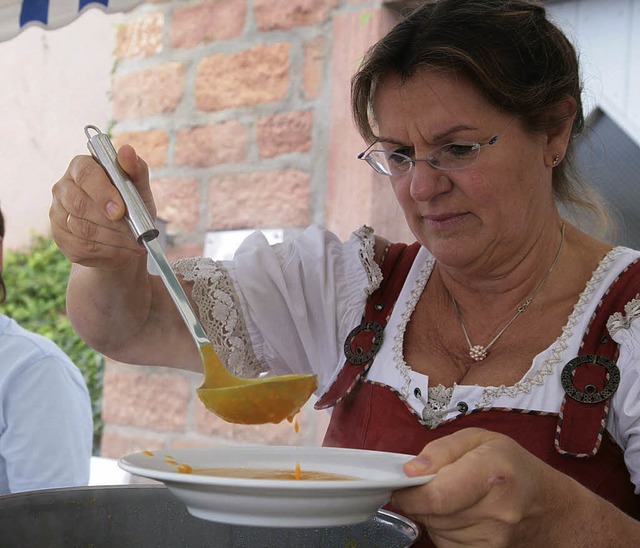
(449, 157)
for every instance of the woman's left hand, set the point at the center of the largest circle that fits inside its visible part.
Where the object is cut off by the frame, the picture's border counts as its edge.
(488, 491)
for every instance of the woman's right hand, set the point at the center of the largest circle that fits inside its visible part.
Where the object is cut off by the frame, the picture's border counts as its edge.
(490, 491)
(87, 212)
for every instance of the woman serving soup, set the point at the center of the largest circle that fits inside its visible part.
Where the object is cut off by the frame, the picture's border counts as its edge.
(502, 348)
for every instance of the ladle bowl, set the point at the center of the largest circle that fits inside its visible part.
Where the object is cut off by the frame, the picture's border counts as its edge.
(251, 401)
(234, 399)
(270, 399)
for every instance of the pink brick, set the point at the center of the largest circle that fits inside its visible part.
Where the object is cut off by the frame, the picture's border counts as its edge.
(207, 21)
(148, 92)
(151, 146)
(118, 442)
(350, 188)
(312, 425)
(143, 397)
(283, 133)
(141, 38)
(288, 14)
(178, 203)
(259, 200)
(265, 434)
(191, 441)
(313, 67)
(204, 146)
(250, 77)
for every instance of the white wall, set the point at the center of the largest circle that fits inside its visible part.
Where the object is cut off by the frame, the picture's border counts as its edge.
(607, 36)
(52, 83)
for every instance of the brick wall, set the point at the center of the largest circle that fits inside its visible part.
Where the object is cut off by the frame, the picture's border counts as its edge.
(240, 108)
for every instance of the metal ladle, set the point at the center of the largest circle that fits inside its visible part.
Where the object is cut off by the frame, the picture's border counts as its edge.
(235, 399)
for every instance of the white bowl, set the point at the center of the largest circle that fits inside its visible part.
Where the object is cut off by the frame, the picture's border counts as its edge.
(278, 502)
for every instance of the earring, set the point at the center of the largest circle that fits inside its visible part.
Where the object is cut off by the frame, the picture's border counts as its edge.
(556, 160)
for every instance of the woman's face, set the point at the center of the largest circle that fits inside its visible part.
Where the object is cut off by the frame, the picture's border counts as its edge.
(482, 212)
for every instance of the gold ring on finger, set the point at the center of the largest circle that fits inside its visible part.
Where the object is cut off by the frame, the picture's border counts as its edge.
(68, 219)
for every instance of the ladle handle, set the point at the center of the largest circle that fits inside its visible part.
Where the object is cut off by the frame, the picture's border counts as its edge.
(143, 227)
(137, 214)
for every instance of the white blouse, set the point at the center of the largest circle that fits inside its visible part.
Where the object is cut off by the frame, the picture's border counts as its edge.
(288, 308)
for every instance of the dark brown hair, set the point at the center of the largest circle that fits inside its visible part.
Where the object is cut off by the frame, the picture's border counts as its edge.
(517, 58)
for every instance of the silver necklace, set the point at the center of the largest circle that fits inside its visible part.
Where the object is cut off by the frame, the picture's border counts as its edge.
(479, 352)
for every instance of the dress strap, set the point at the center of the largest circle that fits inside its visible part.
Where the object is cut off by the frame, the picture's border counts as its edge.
(364, 341)
(590, 379)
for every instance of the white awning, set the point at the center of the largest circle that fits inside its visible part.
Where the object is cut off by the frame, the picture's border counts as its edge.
(16, 15)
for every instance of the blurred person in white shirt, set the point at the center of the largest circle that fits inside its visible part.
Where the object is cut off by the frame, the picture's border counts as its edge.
(46, 422)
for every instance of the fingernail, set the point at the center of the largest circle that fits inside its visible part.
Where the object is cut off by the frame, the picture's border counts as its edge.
(417, 466)
(112, 209)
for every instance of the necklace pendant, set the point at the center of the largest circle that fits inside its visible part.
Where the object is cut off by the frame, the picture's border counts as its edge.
(477, 353)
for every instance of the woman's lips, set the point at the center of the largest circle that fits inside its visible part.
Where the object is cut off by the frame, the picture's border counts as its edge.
(444, 219)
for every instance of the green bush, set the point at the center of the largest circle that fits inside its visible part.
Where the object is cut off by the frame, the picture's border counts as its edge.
(36, 281)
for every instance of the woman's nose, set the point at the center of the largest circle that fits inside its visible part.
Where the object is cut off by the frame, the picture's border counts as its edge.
(427, 182)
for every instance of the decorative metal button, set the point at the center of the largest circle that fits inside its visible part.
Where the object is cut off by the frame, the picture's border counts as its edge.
(358, 355)
(590, 394)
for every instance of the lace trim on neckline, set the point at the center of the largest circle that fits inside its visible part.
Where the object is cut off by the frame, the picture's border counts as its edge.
(398, 339)
(536, 378)
(367, 258)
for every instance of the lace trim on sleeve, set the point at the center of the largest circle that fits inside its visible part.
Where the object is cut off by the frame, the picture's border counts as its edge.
(367, 257)
(221, 314)
(619, 321)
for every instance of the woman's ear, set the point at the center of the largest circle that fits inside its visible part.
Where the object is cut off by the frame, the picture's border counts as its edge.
(560, 119)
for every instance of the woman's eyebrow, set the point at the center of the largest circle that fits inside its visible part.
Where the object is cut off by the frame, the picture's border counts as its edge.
(382, 139)
(437, 138)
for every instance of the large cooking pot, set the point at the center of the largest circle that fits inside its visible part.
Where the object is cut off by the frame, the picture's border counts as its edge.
(150, 516)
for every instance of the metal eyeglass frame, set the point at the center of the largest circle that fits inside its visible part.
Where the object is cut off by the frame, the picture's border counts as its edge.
(368, 156)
